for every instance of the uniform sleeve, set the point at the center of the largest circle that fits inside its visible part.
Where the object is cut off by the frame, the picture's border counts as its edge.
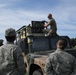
(51, 22)
(48, 67)
(22, 45)
(19, 61)
(1, 56)
(74, 68)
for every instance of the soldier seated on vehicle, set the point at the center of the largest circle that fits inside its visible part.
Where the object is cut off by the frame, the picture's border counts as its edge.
(11, 59)
(60, 62)
(53, 26)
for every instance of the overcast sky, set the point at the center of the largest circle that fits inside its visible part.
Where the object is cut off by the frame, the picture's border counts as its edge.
(16, 13)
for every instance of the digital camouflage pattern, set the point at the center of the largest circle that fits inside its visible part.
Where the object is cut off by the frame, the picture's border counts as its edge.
(60, 63)
(11, 60)
(10, 32)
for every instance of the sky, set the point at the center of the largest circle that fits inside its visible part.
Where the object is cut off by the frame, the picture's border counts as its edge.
(17, 13)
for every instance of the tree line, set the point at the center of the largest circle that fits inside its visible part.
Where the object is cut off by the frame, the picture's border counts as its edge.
(73, 42)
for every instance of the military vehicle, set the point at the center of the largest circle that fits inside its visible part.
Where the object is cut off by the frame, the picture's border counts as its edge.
(39, 46)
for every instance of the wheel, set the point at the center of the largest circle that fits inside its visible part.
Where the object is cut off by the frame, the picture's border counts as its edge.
(37, 72)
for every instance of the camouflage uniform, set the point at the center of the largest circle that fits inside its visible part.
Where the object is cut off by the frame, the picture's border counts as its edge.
(53, 27)
(22, 44)
(60, 63)
(1, 42)
(11, 59)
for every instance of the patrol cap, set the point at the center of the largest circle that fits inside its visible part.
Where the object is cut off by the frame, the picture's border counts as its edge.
(10, 32)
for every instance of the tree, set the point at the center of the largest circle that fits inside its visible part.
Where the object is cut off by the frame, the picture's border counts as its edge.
(73, 42)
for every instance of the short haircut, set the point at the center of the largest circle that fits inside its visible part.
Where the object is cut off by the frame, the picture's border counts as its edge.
(62, 43)
(10, 38)
(49, 15)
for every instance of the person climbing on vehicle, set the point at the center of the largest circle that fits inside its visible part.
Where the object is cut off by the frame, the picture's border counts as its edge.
(53, 26)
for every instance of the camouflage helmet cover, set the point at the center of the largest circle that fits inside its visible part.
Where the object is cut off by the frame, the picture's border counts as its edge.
(10, 32)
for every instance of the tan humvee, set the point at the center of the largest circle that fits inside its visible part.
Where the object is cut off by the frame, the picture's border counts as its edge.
(38, 46)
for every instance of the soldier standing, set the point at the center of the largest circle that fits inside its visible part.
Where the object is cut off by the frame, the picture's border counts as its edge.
(60, 62)
(1, 42)
(23, 45)
(11, 59)
(53, 27)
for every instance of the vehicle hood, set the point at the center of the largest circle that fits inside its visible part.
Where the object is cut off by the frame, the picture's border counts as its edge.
(40, 58)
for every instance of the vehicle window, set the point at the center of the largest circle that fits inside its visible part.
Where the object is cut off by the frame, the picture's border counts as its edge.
(40, 44)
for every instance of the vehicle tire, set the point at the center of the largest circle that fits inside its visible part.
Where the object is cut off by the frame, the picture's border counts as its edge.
(37, 72)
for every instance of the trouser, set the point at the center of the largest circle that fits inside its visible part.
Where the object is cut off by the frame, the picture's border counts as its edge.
(49, 32)
(14, 72)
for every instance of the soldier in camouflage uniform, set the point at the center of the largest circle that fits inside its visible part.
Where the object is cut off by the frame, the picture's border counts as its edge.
(1, 42)
(60, 62)
(11, 59)
(53, 27)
